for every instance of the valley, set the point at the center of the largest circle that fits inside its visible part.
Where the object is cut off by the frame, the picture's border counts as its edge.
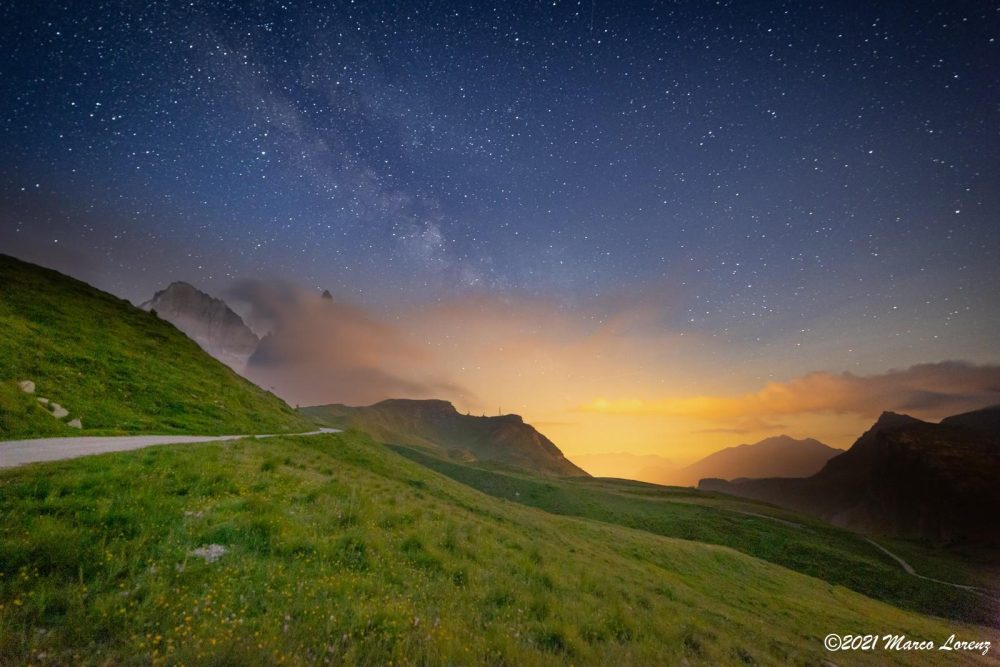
(520, 334)
(181, 525)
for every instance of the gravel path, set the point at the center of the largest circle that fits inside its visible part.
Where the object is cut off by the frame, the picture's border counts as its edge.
(909, 569)
(18, 452)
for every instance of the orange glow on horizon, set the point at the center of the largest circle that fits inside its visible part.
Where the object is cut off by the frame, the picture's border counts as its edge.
(592, 384)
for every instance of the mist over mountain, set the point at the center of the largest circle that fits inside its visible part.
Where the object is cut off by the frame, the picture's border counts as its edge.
(903, 478)
(655, 231)
(779, 456)
(209, 321)
(320, 349)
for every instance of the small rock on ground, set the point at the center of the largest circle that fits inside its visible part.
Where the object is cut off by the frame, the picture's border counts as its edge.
(210, 553)
(75, 423)
(58, 411)
(27, 386)
(43, 401)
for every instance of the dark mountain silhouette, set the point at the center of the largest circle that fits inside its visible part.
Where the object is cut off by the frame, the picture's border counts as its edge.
(780, 456)
(903, 478)
(986, 421)
(436, 425)
(206, 320)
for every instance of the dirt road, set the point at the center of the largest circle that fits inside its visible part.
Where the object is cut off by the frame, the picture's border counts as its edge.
(18, 452)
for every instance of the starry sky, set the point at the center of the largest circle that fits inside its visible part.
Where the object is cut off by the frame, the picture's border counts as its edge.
(651, 201)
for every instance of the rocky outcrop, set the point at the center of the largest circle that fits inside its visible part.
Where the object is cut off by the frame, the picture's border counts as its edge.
(53, 408)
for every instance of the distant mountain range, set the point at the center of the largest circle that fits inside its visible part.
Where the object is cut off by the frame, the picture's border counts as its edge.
(902, 478)
(222, 333)
(431, 424)
(437, 426)
(780, 456)
(206, 320)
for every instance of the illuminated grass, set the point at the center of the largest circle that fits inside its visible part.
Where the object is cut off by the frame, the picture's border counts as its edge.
(799, 543)
(340, 550)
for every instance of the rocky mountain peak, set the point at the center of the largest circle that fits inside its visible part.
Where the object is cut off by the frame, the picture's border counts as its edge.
(209, 321)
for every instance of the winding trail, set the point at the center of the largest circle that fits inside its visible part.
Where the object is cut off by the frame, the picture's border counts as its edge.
(906, 566)
(909, 570)
(765, 516)
(19, 452)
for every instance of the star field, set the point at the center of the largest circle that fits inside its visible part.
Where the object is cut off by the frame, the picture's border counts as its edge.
(770, 174)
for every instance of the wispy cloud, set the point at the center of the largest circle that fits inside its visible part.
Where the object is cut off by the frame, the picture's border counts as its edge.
(931, 390)
(323, 350)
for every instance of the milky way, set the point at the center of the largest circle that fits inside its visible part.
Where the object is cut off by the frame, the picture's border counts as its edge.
(773, 175)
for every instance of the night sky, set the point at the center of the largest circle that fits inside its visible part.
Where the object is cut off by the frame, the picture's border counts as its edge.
(796, 186)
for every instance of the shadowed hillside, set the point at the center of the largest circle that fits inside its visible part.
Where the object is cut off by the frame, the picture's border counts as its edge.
(436, 425)
(902, 478)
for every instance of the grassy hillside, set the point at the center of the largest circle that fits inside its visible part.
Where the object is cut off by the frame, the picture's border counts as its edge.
(339, 550)
(437, 426)
(115, 367)
(793, 541)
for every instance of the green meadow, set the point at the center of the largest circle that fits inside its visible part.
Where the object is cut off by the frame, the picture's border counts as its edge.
(793, 541)
(341, 551)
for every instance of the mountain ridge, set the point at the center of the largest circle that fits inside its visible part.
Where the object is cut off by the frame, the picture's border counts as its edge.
(903, 478)
(207, 320)
(776, 456)
(436, 425)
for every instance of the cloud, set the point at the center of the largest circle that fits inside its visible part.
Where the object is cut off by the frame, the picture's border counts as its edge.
(325, 351)
(932, 390)
(749, 425)
(481, 351)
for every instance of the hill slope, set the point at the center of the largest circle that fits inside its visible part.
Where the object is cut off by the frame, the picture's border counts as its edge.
(114, 366)
(436, 425)
(208, 321)
(334, 549)
(794, 541)
(780, 456)
(903, 478)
